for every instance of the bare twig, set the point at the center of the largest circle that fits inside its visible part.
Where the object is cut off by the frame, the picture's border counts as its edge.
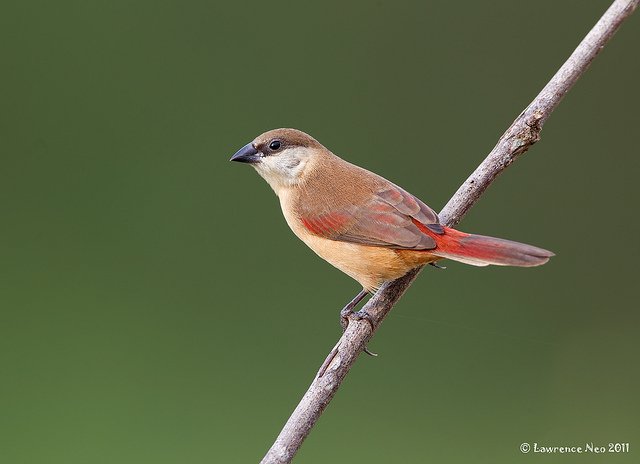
(523, 133)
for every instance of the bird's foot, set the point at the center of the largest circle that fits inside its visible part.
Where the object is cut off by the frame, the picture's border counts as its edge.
(348, 312)
(363, 315)
(344, 317)
(348, 309)
(436, 265)
(360, 315)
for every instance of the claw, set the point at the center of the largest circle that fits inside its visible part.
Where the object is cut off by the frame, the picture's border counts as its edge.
(362, 314)
(348, 311)
(370, 353)
(436, 265)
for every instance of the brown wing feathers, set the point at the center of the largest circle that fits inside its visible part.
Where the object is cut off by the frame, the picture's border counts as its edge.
(386, 220)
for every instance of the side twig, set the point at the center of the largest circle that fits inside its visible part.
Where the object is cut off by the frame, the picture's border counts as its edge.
(523, 133)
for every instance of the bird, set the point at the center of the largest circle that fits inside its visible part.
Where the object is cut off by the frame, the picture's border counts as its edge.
(366, 226)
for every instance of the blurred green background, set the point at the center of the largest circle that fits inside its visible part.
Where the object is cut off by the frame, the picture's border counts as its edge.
(155, 308)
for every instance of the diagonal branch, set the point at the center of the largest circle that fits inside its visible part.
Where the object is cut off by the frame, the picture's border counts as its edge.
(523, 133)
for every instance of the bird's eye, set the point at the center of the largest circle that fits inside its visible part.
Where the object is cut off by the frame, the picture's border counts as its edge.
(275, 144)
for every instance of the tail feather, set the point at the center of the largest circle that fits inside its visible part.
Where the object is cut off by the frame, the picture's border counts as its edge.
(479, 250)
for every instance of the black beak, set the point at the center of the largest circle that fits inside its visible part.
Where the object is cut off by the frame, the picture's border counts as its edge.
(247, 154)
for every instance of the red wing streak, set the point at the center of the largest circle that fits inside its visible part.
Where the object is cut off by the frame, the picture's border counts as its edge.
(326, 225)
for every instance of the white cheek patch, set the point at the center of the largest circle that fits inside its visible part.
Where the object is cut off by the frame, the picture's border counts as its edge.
(291, 163)
(284, 168)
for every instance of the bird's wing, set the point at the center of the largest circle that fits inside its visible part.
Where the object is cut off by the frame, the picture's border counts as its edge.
(387, 220)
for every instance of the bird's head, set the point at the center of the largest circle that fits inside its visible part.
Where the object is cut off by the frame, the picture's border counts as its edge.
(281, 156)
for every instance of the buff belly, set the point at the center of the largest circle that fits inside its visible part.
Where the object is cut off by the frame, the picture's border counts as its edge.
(370, 266)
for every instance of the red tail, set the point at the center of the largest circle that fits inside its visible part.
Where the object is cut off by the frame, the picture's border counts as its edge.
(479, 250)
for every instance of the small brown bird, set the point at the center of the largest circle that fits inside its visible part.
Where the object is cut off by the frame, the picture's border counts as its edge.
(361, 223)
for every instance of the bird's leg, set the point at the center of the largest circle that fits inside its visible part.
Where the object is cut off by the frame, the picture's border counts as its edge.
(348, 309)
(362, 314)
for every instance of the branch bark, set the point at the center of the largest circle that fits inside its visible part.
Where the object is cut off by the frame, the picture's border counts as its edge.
(519, 137)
